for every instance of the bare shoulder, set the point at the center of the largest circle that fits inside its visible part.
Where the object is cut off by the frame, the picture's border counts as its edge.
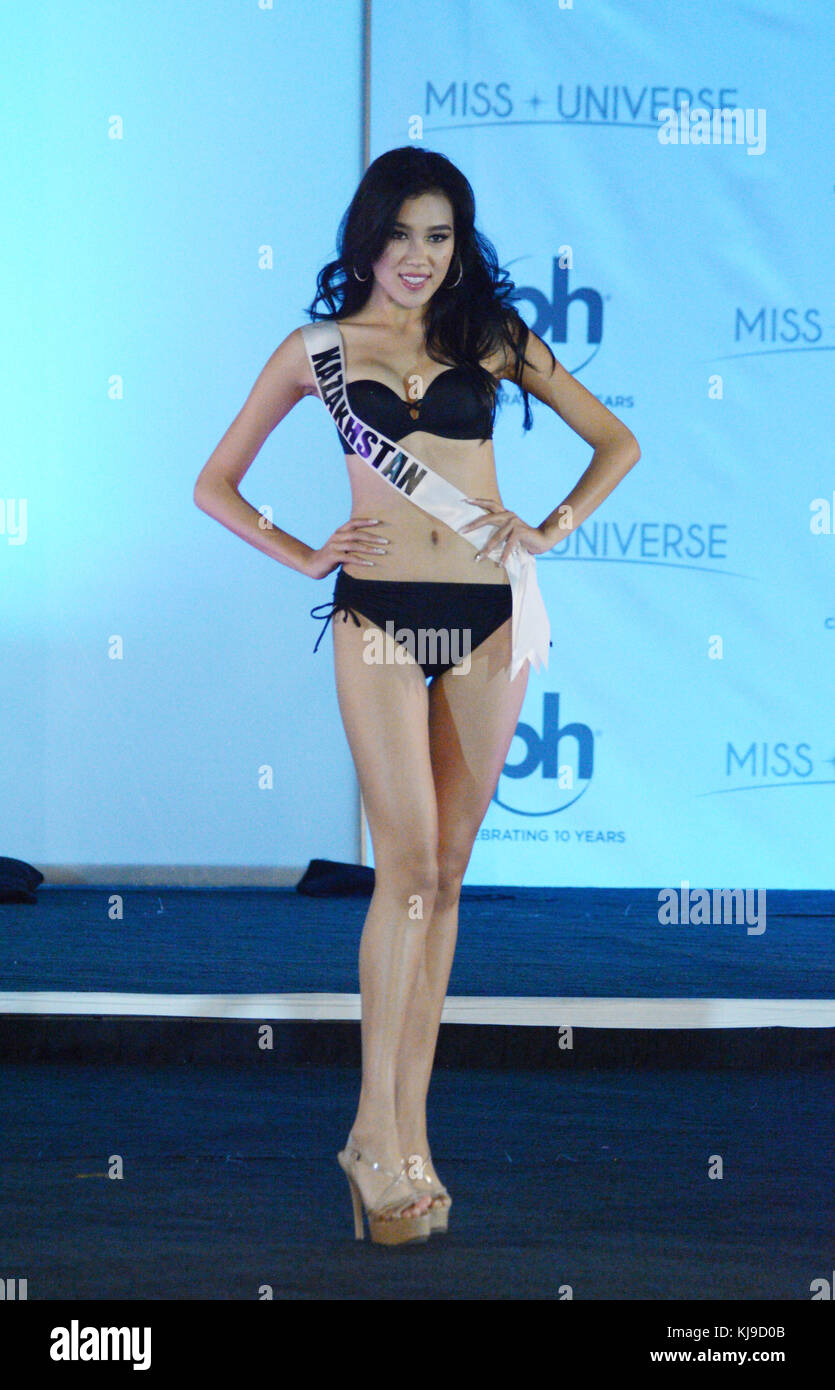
(286, 376)
(502, 360)
(545, 377)
(290, 360)
(287, 373)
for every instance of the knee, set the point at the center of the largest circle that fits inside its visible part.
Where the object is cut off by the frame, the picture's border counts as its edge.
(409, 872)
(452, 865)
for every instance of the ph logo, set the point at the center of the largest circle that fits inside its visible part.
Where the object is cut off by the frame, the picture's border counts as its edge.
(552, 315)
(556, 769)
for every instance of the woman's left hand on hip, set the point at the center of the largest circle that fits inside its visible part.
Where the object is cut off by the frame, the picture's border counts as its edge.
(510, 531)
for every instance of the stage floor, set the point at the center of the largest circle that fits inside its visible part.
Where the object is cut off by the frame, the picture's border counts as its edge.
(577, 1158)
(597, 1181)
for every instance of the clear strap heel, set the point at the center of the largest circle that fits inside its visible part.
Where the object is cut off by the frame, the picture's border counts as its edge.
(423, 1181)
(387, 1223)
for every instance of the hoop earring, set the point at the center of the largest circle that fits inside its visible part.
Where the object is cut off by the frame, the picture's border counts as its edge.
(362, 278)
(460, 273)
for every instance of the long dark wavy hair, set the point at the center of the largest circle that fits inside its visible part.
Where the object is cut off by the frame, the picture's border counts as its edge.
(465, 321)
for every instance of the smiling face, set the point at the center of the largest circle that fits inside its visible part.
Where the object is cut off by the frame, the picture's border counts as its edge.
(419, 251)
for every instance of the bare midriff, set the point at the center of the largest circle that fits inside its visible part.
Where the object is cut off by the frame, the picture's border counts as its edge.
(420, 547)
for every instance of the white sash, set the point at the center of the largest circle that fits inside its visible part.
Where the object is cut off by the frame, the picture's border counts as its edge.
(530, 627)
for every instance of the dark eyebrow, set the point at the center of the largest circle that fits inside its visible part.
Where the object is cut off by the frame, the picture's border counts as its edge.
(440, 227)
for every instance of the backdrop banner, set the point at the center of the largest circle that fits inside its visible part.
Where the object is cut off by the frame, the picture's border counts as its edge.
(661, 195)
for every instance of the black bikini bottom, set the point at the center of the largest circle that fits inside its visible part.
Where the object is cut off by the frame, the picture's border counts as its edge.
(439, 623)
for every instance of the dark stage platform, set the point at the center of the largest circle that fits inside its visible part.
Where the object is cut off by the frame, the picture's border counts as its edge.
(577, 1146)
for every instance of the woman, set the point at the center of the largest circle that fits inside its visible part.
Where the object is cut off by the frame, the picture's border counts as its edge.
(426, 333)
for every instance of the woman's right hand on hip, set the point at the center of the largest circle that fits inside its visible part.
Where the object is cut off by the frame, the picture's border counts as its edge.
(352, 544)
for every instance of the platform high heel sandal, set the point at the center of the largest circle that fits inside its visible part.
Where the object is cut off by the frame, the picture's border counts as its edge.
(386, 1224)
(441, 1201)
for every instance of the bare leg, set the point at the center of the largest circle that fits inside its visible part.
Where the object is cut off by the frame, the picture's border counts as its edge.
(385, 713)
(472, 719)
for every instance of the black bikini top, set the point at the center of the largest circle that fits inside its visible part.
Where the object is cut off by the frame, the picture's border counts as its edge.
(451, 407)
